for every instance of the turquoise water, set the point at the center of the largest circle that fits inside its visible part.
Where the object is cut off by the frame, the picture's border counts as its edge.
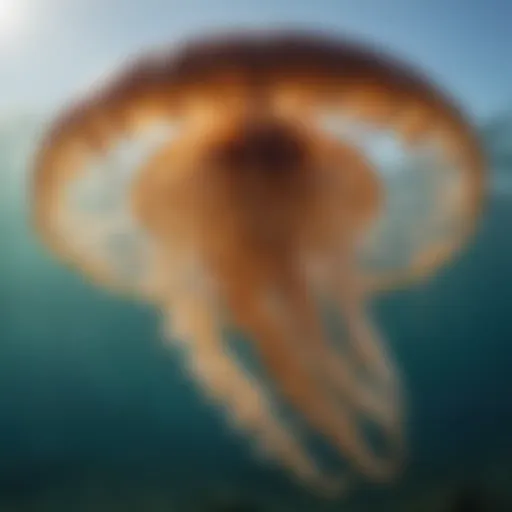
(96, 414)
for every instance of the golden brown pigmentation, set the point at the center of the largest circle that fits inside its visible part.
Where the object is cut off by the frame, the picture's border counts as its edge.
(254, 216)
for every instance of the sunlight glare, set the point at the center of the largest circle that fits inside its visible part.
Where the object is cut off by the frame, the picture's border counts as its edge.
(12, 18)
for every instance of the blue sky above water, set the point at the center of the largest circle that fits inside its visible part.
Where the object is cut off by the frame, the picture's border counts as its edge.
(464, 45)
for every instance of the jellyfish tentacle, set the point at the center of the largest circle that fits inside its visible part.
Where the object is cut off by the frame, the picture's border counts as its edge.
(332, 367)
(367, 345)
(248, 407)
(370, 353)
(300, 387)
(364, 339)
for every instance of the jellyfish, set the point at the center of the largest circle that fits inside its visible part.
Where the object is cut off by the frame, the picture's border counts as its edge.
(232, 184)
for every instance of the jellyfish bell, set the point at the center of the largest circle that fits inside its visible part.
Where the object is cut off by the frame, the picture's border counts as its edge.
(232, 201)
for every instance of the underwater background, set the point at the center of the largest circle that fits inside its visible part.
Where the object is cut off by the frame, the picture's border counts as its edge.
(96, 413)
